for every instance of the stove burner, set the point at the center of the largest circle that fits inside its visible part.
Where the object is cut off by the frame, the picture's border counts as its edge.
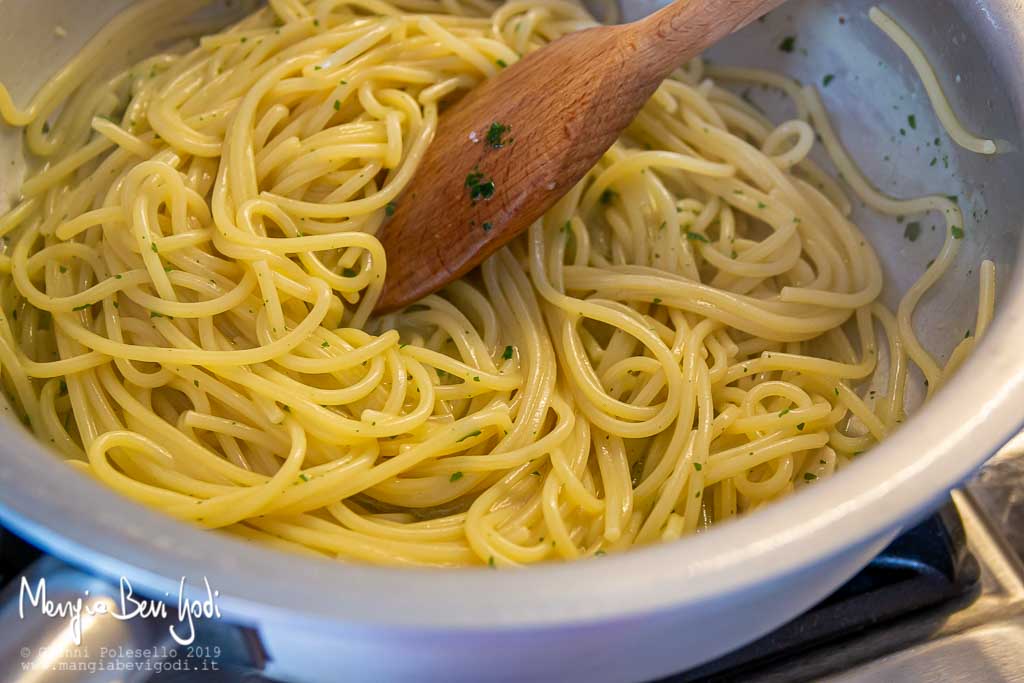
(926, 566)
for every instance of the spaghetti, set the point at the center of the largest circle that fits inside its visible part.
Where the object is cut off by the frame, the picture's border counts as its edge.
(947, 117)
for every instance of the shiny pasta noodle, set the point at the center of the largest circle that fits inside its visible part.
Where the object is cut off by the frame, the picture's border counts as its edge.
(189, 277)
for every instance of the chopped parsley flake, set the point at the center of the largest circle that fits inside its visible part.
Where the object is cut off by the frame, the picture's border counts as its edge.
(487, 226)
(697, 466)
(495, 133)
(784, 412)
(82, 307)
(455, 477)
(469, 436)
(801, 426)
(337, 105)
(912, 122)
(696, 237)
(507, 355)
(788, 44)
(348, 272)
(501, 62)
(152, 245)
(607, 196)
(479, 186)
(490, 562)
(809, 476)
(324, 344)
(389, 209)
(304, 477)
(958, 232)
(912, 231)
(825, 82)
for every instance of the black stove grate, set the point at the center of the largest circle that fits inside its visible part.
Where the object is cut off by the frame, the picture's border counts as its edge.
(15, 555)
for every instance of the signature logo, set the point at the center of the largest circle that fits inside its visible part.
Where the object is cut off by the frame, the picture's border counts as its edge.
(127, 606)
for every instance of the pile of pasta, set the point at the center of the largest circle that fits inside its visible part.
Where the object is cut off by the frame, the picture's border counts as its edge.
(188, 281)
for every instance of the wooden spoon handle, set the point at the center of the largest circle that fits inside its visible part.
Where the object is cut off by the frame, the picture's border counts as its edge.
(683, 29)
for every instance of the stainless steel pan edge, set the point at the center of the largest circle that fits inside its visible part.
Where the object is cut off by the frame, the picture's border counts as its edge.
(634, 616)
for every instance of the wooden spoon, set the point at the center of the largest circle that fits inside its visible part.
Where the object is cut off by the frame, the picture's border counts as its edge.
(515, 144)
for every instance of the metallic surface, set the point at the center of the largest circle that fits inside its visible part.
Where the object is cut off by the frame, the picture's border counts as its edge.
(660, 609)
(982, 642)
(977, 638)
